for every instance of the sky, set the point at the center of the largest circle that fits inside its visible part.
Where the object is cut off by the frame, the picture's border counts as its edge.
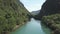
(32, 5)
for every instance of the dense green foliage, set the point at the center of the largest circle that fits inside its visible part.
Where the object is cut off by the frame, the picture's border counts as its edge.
(12, 13)
(53, 21)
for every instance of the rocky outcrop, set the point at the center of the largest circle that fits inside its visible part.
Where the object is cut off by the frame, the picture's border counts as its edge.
(12, 13)
(49, 7)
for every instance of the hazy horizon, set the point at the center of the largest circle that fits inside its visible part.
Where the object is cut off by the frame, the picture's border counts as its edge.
(32, 5)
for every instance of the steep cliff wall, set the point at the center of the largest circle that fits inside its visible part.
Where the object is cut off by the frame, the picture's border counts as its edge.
(49, 7)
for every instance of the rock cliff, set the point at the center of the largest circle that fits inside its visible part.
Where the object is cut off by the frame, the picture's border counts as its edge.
(49, 7)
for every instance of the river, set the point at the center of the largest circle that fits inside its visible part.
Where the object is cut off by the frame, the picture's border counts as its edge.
(33, 27)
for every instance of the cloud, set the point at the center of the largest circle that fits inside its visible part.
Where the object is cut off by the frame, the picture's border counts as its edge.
(32, 5)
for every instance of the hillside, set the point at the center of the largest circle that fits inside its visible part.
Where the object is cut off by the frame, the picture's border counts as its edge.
(53, 22)
(35, 12)
(12, 13)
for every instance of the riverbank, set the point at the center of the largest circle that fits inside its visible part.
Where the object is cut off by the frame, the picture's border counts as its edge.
(17, 26)
(20, 25)
(53, 22)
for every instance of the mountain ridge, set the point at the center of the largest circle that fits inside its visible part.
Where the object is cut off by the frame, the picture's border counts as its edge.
(35, 12)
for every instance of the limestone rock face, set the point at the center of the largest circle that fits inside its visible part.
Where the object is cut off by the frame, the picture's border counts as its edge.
(49, 7)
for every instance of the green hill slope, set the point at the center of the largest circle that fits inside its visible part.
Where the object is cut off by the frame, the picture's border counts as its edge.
(53, 22)
(12, 13)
